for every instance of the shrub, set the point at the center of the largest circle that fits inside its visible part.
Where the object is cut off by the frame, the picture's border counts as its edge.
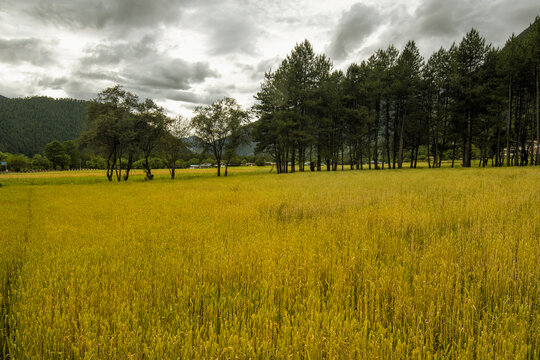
(18, 162)
(40, 163)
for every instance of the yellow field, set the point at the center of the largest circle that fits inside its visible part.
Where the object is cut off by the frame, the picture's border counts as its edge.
(358, 264)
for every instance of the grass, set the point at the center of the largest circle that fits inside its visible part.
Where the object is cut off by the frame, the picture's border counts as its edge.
(426, 263)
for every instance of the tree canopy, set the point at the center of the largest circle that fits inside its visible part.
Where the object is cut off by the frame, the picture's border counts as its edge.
(396, 104)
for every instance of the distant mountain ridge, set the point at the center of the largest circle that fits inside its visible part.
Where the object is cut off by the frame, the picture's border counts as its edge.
(28, 124)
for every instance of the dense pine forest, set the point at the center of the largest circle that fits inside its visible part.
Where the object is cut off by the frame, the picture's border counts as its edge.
(469, 102)
(27, 125)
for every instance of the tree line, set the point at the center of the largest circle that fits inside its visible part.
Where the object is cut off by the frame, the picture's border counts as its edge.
(88, 160)
(123, 133)
(469, 101)
(120, 126)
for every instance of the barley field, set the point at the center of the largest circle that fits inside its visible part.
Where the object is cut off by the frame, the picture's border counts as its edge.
(421, 264)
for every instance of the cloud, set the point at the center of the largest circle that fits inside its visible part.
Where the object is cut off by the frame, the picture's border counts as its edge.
(31, 51)
(437, 22)
(167, 73)
(432, 24)
(450, 19)
(141, 66)
(353, 29)
(192, 97)
(50, 82)
(230, 28)
(111, 53)
(126, 14)
(442, 18)
(191, 51)
(256, 72)
(234, 35)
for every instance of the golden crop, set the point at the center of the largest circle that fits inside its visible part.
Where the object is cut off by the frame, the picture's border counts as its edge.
(428, 263)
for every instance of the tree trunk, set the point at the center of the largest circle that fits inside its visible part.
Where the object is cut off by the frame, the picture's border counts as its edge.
(517, 125)
(119, 167)
(498, 154)
(481, 157)
(342, 162)
(395, 142)
(110, 166)
(468, 142)
(351, 157)
(537, 120)
(376, 144)
(429, 158)
(301, 159)
(293, 155)
(454, 153)
(129, 166)
(286, 161)
(369, 154)
(436, 150)
(148, 170)
(508, 122)
(388, 132)
(360, 155)
(445, 128)
(401, 135)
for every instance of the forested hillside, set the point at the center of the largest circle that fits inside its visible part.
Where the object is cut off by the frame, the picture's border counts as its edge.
(26, 125)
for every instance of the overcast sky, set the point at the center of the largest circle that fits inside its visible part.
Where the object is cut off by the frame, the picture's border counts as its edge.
(188, 52)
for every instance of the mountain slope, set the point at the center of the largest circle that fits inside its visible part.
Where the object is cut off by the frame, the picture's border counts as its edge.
(27, 125)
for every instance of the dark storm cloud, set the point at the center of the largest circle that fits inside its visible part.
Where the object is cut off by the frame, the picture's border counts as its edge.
(80, 14)
(31, 51)
(353, 28)
(442, 18)
(141, 66)
(185, 96)
(132, 41)
(52, 82)
(433, 24)
(111, 53)
(75, 85)
(192, 97)
(231, 27)
(97, 75)
(496, 20)
(174, 74)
